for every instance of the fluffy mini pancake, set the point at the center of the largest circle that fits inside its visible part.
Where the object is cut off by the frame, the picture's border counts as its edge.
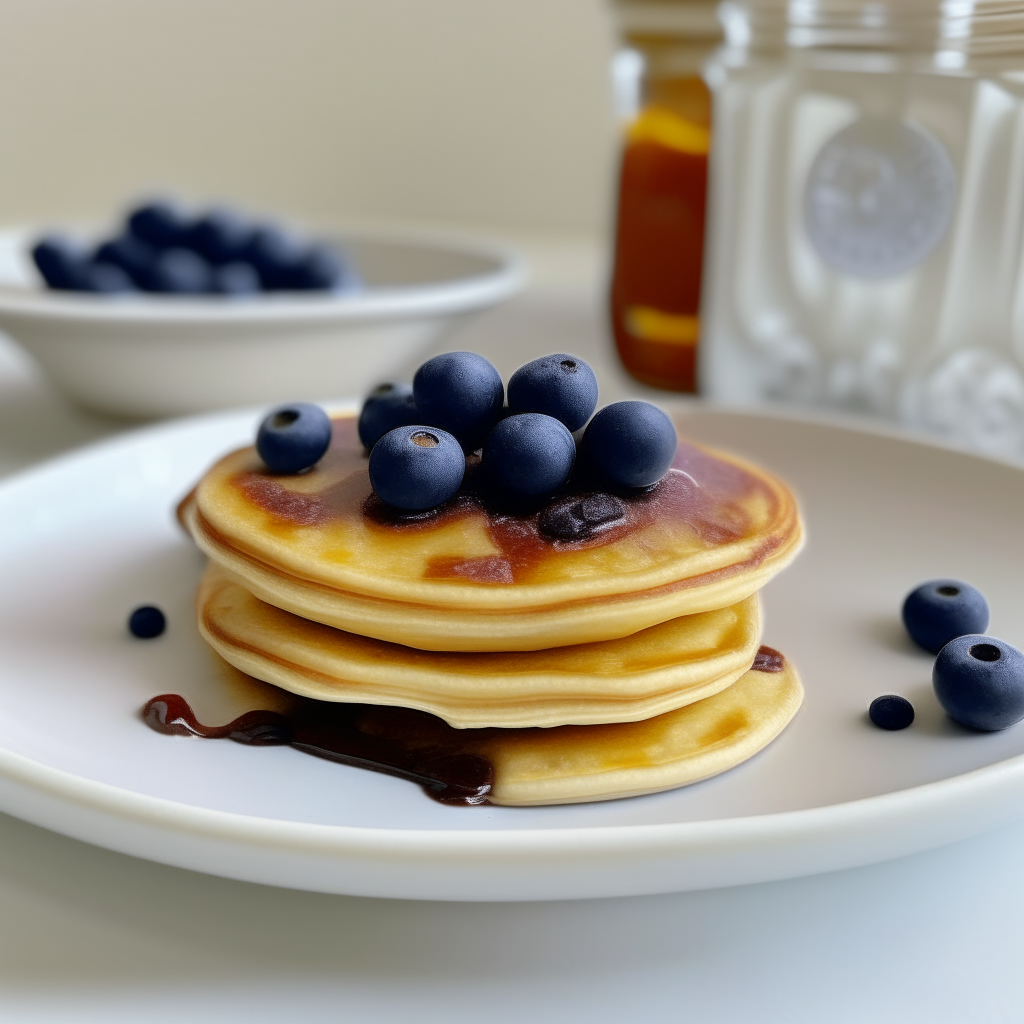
(656, 670)
(467, 578)
(584, 763)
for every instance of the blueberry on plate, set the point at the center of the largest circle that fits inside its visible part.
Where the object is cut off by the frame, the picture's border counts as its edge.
(891, 712)
(294, 437)
(631, 443)
(558, 385)
(133, 256)
(979, 680)
(61, 261)
(529, 454)
(221, 235)
(146, 622)
(179, 271)
(106, 278)
(237, 278)
(416, 467)
(939, 610)
(387, 406)
(462, 393)
(162, 224)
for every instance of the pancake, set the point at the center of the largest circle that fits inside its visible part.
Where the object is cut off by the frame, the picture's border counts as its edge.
(659, 669)
(467, 578)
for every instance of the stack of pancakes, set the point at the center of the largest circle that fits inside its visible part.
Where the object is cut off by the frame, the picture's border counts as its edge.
(602, 646)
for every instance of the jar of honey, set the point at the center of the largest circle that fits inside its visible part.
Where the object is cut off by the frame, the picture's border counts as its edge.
(659, 231)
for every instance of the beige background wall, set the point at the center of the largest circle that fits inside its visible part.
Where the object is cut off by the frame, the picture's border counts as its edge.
(479, 112)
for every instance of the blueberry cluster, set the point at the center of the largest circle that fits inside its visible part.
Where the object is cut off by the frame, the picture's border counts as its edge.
(978, 679)
(419, 437)
(167, 249)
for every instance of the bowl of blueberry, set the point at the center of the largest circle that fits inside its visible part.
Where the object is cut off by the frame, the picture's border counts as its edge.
(177, 310)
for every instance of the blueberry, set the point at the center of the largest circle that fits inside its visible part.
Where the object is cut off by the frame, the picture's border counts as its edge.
(529, 454)
(236, 278)
(146, 622)
(416, 467)
(107, 278)
(558, 385)
(161, 224)
(388, 406)
(321, 267)
(180, 272)
(276, 254)
(939, 610)
(460, 392)
(979, 680)
(221, 235)
(631, 443)
(293, 437)
(61, 261)
(134, 257)
(891, 712)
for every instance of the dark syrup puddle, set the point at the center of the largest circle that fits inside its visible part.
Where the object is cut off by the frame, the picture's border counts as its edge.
(332, 733)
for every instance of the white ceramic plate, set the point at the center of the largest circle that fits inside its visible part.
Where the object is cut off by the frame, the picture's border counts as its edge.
(88, 537)
(146, 355)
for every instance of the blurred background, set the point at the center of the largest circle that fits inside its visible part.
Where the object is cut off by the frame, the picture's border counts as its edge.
(483, 113)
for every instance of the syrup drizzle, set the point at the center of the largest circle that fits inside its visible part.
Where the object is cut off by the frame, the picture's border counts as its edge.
(768, 659)
(446, 774)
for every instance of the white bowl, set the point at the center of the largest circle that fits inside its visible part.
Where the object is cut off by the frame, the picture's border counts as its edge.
(148, 355)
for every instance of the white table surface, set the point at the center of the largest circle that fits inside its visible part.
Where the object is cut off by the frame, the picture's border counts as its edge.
(88, 935)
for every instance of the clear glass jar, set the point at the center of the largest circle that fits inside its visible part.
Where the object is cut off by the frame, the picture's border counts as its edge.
(659, 234)
(867, 245)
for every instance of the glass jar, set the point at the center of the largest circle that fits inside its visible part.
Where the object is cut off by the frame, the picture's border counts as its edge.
(868, 212)
(659, 234)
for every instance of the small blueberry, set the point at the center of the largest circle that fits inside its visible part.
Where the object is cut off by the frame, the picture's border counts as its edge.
(238, 278)
(388, 406)
(416, 467)
(891, 712)
(558, 385)
(979, 680)
(62, 262)
(939, 610)
(529, 454)
(133, 256)
(462, 393)
(162, 224)
(294, 437)
(276, 254)
(179, 271)
(631, 443)
(146, 622)
(221, 235)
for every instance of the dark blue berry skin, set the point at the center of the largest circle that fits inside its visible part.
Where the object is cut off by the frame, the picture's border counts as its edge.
(146, 622)
(221, 235)
(979, 680)
(891, 712)
(179, 271)
(631, 443)
(106, 279)
(276, 254)
(161, 224)
(460, 392)
(529, 455)
(558, 385)
(321, 268)
(61, 261)
(939, 610)
(236, 278)
(416, 467)
(387, 406)
(293, 437)
(134, 257)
